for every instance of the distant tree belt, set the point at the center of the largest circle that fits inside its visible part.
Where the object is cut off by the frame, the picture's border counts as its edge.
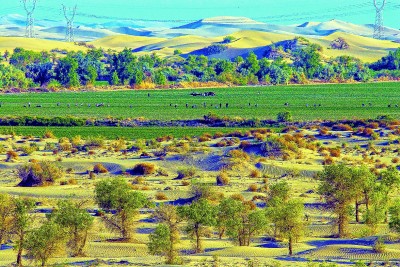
(296, 61)
(39, 121)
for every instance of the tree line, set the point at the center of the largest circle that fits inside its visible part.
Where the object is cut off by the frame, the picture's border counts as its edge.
(344, 189)
(297, 65)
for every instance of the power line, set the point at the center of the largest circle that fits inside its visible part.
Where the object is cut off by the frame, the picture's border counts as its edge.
(379, 29)
(69, 36)
(29, 20)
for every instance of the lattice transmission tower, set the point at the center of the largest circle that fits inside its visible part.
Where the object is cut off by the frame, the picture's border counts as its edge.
(30, 31)
(69, 14)
(379, 31)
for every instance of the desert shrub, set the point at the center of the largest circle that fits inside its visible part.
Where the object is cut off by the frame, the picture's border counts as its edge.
(334, 152)
(186, 183)
(271, 146)
(342, 127)
(253, 188)
(11, 155)
(39, 173)
(77, 141)
(327, 161)
(218, 135)
(186, 173)
(244, 144)
(72, 181)
(205, 137)
(222, 179)
(49, 134)
(323, 131)
(144, 169)
(99, 168)
(161, 196)
(92, 175)
(255, 174)
(395, 160)
(367, 131)
(95, 142)
(28, 150)
(138, 180)
(379, 246)
(239, 154)
(284, 116)
(238, 197)
(373, 125)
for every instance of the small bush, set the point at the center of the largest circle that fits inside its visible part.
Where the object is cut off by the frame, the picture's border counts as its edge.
(239, 197)
(99, 168)
(144, 169)
(222, 179)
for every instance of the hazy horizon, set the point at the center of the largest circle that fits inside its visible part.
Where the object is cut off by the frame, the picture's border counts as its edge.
(181, 11)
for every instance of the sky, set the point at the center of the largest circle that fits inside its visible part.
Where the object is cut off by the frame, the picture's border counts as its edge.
(181, 11)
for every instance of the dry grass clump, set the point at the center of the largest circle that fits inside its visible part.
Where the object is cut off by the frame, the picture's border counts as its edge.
(186, 183)
(222, 179)
(373, 125)
(395, 160)
(161, 196)
(342, 127)
(99, 168)
(92, 176)
(144, 169)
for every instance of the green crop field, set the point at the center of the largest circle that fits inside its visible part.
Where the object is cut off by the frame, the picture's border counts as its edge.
(337, 102)
(114, 132)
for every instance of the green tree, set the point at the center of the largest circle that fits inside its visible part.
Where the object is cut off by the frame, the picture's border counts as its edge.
(199, 215)
(45, 242)
(364, 181)
(394, 222)
(289, 220)
(76, 221)
(116, 194)
(390, 181)
(165, 240)
(22, 221)
(339, 190)
(243, 221)
(114, 78)
(6, 212)
(159, 240)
